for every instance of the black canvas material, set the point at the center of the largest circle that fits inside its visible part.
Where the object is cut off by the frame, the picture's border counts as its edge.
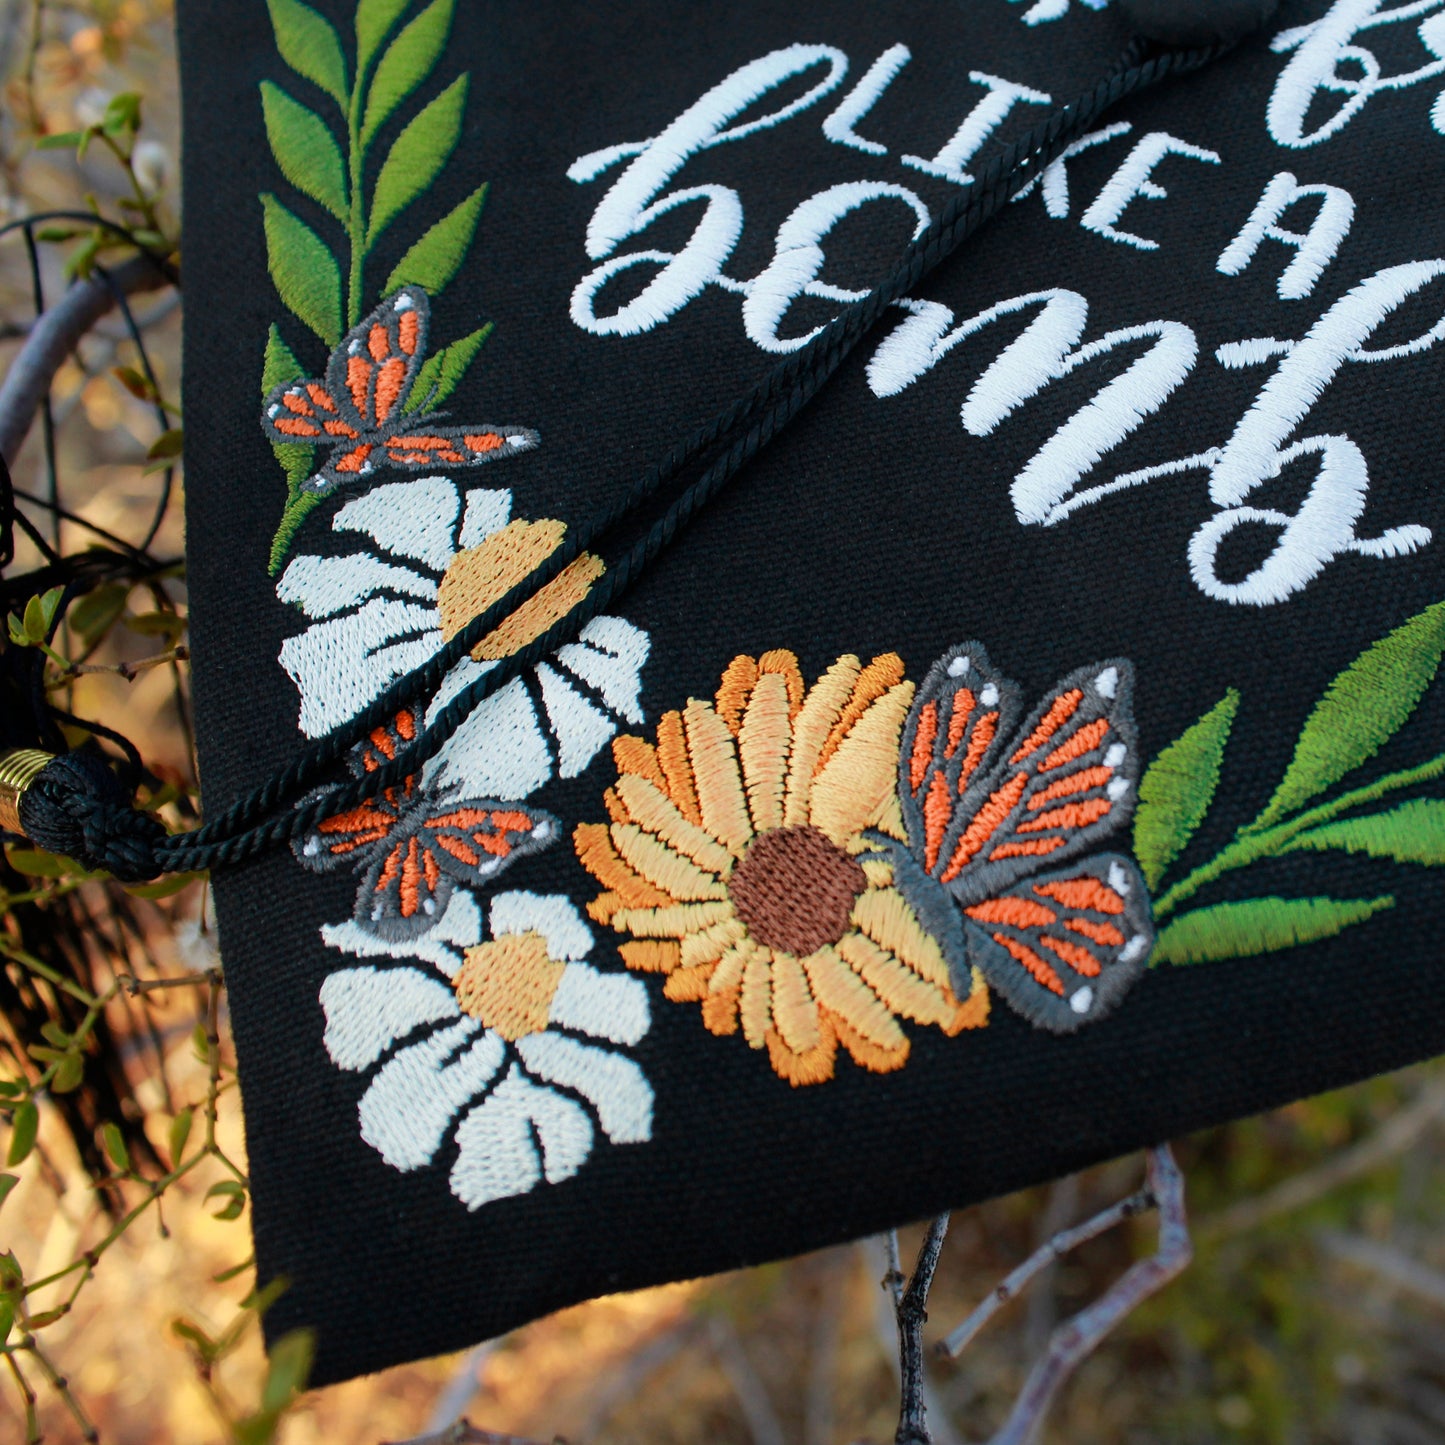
(875, 524)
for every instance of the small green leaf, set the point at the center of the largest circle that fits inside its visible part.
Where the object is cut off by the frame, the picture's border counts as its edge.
(81, 261)
(7, 1183)
(167, 445)
(24, 1126)
(408, 61)
(305, 273)
(1412, 833)
(7, 1319)
(134, 382)
(235, 1271)
(194, 1335)
(163, 887)
(115, 1146)
(374, 19)
(233, 1193)
(1361, 710)
(305, 149)
(60, 141)
(179, 1132)
(310, 46)
(122, 113)
(96, 613)
(54, 1033)
(68, 1076)
(157, 624)
(441, 373)
(1178, 787)
(417, 156)
(289, 1369)
(37, 864)
(1259, 925)
(40, 613)
(437, 256)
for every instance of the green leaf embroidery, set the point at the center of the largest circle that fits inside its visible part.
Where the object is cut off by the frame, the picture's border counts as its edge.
(1361, 710)
(1259, 925)
(374, 19)
(442, 372)
(437, 257)
(408, 61)
(305, 149)
(310, 46)
(1176, 791)
(1412, 833)
(305, 273)
(281, 365)
(417, 156)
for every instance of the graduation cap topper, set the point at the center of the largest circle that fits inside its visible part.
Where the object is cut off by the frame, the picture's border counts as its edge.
(940, 764)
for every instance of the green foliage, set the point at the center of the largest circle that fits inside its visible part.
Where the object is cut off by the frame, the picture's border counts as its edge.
(1176, 791)
(1361, 710)
(309, 44)
(1259, 925)
(417, 156)
(305, 149)
(374, 22)
(1412, 833)
(305, 274)
(33, 627)
(441, 372)
(408, 60)
(437, 257)
(24, 1129)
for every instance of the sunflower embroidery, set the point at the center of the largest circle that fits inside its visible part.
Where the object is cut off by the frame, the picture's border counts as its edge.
(738, 865)
(508, 1048)
(432, 557)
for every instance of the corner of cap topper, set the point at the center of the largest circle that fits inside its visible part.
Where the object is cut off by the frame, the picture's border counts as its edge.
(1197, 22)
(19, 767)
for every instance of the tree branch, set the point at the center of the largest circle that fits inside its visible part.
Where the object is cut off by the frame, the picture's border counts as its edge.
(54, 336)
(912, 1307)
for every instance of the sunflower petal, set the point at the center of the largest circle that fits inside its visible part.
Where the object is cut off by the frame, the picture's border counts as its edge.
(720, 1012)
(821, 709)
(973, 1011)
(636, 757)
(763, 741)
(815, 1066)
(677, 876)
(687, 985)
(899, 987)
(676, 767)
(794, 1011)
(875, 679)
(843, 993)
(855, 784)
(719, 783)
(655, 811)
(784, 664)
(877, 1058)
(884, 915)
(651, 955)
(600, 859)
(757, 1000)
(733, 691)
(711, 943)
(731, 965)
(676, 920)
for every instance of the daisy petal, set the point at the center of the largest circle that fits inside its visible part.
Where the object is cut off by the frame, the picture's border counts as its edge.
(614, 1085)
(368, 1009)
(458, 928)
(719, 783)
(321, 586)
(499, 751)
(497, 1157)
(581, 730)
(409, 519)
(605, 1005)
(821, 709)
(342, 664)
(487, 511)
(406, 1111)
(551, 914)
(609, 658)
(859, 779)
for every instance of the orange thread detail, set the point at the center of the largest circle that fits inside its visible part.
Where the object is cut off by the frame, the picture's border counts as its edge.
(339, 429)
(676, 765)
(638, 757)
(983, 734)
(973, 1011)
(353, 461)
(408, 333)
(964, 703)
(978, 832)
(367, 823)
(509, 983)
(686, 985)
(785, 665)
(1104, 933)
(1065, 706)
(461, 850)
(1084, 741)
(875, 679)
(358, 377)
(720, 1011)
(388, 386)
(923, 746)
(389, 871)
(876, 1058)
(487, 441)
(1085, 892)
(320, 396)
(812, 1066)
(1040, 970)
(431, 868)
(1016, 912)
(1027, 848)
(1078, 959)
(600, 858)
(1079, 782)
(616, 808)
(737, 684)
(295, 427)
(410, 881)
(1071, 815)
(378, 343)
(937, 812)
(298, 403)
(651, 955)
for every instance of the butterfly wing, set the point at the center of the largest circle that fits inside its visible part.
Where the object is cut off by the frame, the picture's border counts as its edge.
(355, 835)
(372, 372)
(955, 729)
(382, 744)
(1064, 946)
(455, 446)
(1064, 782)
(473, 840)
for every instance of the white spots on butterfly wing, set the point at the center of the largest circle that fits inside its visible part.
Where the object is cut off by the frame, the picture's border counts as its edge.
(1134, 948)
(959, 665)
(274, 411)
(1117, 788)
(354, 349)
(403, 303)
(1116, 755)
(1119, 880)
(1082, 1000)
(1107, 682)
(989, 696)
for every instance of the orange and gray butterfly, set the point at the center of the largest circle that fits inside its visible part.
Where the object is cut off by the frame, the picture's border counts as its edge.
(382, 744)
(359, 411)
(1065, 945)
(1049, 790)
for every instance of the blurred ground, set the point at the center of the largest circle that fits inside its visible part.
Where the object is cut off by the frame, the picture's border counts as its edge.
(1323, 1321)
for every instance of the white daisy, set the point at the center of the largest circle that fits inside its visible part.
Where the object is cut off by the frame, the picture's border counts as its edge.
(488, 1050)
(430, 558)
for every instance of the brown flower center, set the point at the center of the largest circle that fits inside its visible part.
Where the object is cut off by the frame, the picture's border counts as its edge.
(476, 577)
(795, 889)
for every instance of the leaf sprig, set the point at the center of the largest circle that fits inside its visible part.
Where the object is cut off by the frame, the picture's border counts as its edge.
(1361, 710)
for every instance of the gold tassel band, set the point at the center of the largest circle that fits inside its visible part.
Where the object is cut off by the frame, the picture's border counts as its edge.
(19, 767)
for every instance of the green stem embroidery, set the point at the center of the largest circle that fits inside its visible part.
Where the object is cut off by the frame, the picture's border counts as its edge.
(298, 508)
(356, 209)
(1250, 847)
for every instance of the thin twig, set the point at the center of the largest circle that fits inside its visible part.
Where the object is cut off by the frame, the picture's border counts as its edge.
(1078, 1337)
(128, 670)
(465, 1433)
(1385, 1262)
(133, 985)
(1390, 1140)
(912, 1314)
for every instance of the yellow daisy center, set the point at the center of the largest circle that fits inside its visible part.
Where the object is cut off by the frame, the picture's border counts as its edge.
(509, 984)
(795, 889)
(478, 576)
